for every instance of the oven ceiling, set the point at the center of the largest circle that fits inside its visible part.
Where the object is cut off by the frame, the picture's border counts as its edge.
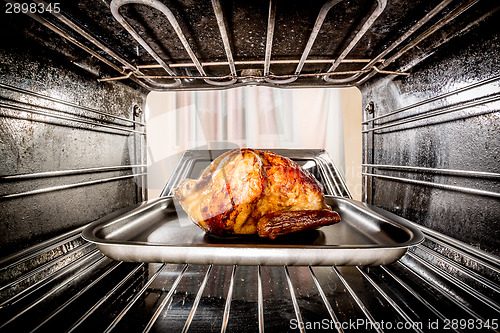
(221, 43)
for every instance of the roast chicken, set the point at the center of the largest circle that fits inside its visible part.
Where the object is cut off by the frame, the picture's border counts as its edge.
(248, 191)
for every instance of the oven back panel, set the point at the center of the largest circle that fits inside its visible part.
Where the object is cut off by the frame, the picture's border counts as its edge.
(433, 155)
(67, 142)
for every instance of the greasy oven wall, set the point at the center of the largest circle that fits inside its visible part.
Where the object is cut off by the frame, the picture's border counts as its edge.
(67, 142)
(431, 153)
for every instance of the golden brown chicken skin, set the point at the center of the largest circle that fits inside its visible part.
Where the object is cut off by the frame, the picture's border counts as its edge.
(244, 186)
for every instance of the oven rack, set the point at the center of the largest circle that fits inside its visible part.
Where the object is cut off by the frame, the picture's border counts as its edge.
(407, 41)
(68, 285)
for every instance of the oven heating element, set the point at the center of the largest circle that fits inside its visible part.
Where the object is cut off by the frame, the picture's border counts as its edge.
(358, 76)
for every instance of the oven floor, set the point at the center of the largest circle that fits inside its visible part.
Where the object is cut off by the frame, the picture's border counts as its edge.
(66, 284)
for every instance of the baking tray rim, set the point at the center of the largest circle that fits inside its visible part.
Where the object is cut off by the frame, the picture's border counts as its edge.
(260, 256)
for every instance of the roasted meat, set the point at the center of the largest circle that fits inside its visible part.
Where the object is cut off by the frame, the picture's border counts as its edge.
(248, 191)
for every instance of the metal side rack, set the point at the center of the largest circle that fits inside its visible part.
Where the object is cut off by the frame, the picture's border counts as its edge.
(66, 284)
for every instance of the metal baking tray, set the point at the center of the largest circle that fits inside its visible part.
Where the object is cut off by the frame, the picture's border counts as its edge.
(160, 231)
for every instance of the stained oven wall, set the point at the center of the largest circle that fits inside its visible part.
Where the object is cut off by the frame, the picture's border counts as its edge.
(450, 139)
(66, 140)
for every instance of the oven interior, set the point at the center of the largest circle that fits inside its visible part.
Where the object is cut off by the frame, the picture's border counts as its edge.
(73, 86)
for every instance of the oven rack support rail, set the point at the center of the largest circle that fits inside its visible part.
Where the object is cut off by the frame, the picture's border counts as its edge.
(81, 117)
(376, 65)
(429, 111)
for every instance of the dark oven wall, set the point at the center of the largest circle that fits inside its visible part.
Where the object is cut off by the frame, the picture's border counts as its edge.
(433, 155)
(67, 142)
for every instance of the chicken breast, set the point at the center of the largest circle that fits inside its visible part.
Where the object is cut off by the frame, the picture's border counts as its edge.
(248, 191)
